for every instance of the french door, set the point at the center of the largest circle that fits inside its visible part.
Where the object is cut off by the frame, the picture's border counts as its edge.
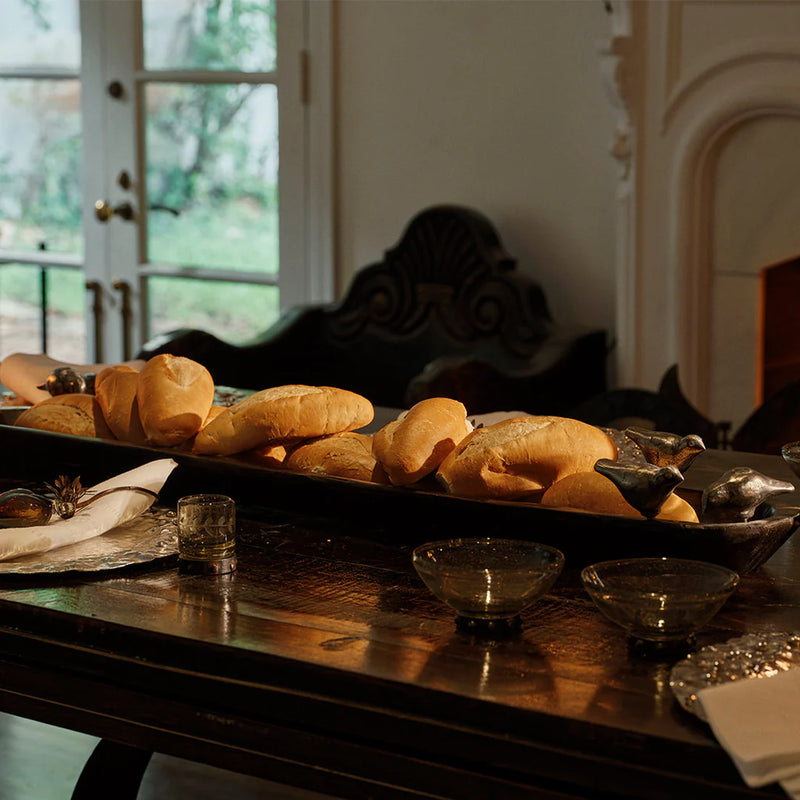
(186, 136)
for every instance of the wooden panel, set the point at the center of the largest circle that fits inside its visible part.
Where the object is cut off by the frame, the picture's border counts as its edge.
(781, 342)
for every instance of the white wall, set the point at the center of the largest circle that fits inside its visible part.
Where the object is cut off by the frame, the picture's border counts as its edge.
(494, 104)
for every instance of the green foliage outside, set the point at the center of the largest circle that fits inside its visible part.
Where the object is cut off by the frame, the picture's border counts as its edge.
(235, 312)
(202, 160)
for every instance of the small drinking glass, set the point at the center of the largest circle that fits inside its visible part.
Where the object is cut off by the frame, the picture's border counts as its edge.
(207, 534)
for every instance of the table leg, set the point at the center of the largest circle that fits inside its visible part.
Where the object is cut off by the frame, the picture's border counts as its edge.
(113, 770)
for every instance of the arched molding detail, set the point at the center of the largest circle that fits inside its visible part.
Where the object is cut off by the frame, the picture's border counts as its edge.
(692, 214)
(780, 53)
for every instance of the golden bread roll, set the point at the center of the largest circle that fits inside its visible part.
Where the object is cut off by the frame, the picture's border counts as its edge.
(213, 413)
(76, 414)
(591, 491)
(413, 446)
(522, 456)
(283, 413)
(270, 455)
(175, 395)
(344, 455)
(115, 391)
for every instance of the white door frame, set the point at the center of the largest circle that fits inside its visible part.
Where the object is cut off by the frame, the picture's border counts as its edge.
(114, 250)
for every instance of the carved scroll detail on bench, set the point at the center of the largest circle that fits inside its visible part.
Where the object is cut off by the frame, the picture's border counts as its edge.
(449, 269)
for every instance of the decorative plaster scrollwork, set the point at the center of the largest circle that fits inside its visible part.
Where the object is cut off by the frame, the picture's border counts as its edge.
(619, 74)
(449, 268)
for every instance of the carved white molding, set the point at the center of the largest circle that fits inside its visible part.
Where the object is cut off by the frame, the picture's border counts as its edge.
(677, 123)
(782, 53)
(617, 59)
(692, 209)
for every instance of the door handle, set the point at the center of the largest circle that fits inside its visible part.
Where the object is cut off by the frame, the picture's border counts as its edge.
(126, 312)
(103, 211)
(97, 312)
(157, 207)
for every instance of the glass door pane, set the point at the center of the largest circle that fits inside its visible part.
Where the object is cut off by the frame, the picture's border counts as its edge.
(234, 312)
(209, 35)
(43, 35)
(40, 157)
(212, 156)
(211, 166)
(26, 289)
(41, 239)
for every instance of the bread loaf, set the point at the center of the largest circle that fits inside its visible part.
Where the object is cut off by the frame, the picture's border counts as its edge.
(115, 390)
(344, 455)
(175, 395)
(76, 414)
(591, 491)
(416, 444)
(283, 413)
(213, 413)
(522, 456)
(270, 455)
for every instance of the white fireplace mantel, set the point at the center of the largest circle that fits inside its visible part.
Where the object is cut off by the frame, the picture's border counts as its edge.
(708, 138)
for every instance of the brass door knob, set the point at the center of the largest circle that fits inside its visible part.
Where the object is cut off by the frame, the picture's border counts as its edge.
(103, 211)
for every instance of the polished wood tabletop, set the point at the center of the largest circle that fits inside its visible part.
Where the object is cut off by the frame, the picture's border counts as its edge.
(324, 662)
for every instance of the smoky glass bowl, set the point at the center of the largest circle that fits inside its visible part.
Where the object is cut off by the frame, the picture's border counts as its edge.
(791, 455)
(487, 578)
(659, 599)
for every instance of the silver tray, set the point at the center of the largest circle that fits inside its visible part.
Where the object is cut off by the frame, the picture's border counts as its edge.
(751, 656)
(151, 536)
(407, 515)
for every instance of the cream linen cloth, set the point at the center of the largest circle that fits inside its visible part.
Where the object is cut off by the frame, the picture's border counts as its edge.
(22, 373)
(98, 517)
(757, 721)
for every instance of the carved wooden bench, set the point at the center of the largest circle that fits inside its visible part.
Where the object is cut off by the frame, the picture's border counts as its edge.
(445, 313)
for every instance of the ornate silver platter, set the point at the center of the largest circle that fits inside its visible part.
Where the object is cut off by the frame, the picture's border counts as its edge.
(151, 536)
(750, 656)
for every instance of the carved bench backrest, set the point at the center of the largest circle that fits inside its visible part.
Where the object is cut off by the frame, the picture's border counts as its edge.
(449, 271)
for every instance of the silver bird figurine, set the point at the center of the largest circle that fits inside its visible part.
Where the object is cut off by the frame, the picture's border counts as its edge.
(735, 495)
(644, 486)
(65, 380)
(661, 448)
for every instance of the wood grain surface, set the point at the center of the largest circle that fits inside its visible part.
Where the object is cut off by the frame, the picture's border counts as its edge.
(324, 662)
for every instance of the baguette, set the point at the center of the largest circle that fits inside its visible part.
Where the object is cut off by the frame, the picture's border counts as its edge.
(343, 455)
(521, 457)
(591, 491)
(270, 455)
(175, 395)
(283, 413)
(75, 414)
(413, 446)
(115, 390)
(213, 413)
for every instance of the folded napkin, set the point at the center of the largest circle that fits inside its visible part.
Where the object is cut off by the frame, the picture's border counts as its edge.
(102, 515)
(22, 373)
(757, 721)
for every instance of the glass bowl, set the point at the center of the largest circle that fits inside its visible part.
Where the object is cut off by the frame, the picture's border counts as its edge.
(791, 455)
(659, 599)
(487, 578)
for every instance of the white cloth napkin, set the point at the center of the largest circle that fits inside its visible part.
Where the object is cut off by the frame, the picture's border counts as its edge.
(98, 517)
(757, 721)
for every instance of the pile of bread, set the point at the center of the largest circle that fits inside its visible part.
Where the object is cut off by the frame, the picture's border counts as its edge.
(314, 429)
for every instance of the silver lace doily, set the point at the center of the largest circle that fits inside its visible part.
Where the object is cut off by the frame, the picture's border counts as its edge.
(150, 536)
(750, 656)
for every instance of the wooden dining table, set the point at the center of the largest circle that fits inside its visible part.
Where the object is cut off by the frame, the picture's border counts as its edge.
(324, 662)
